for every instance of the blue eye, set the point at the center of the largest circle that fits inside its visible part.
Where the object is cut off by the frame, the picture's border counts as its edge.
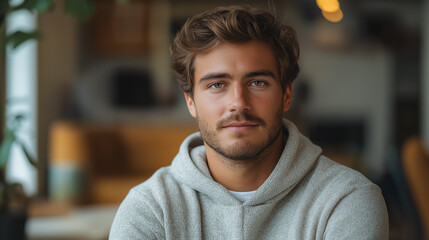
(258, 83)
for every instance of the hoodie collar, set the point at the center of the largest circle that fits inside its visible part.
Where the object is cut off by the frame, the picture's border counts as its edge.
(297, 159)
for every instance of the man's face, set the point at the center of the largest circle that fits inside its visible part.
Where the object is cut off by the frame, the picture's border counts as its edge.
(238, 99)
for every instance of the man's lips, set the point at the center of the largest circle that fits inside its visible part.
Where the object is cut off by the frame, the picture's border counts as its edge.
(241, 125)
(240, 121)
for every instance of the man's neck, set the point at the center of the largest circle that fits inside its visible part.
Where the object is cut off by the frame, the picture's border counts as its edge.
(246, 175)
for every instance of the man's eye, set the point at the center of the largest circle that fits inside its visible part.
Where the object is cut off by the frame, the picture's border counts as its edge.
(216, 85)
(258, 83)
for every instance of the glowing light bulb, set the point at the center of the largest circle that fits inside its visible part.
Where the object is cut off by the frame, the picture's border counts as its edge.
(328, 5)
(333, 16)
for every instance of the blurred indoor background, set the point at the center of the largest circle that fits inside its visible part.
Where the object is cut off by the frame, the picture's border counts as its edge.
(105, 111)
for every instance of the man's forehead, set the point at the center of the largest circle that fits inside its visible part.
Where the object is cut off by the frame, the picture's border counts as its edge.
(249, 59)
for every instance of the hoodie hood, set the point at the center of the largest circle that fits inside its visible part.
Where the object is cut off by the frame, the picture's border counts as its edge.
(299, 156)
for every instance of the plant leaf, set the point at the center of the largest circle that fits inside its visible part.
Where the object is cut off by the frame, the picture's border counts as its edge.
(30, 159)
(6, 146)
(80, 9)
(19, 37)
(37, 5)
(19, 117)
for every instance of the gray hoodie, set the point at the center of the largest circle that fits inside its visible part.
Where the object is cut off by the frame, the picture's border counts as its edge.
(307, 196)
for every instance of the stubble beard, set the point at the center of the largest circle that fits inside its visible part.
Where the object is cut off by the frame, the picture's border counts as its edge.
(244, 151)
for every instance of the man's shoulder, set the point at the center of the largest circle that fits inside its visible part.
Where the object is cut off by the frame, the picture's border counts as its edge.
(332, 176)
(157, 184)
(140, 214)
(349, 199)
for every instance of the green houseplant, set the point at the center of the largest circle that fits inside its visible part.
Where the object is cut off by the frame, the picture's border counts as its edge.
(13, 201)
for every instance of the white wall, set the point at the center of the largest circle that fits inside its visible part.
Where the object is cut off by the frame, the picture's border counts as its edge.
(353, 85)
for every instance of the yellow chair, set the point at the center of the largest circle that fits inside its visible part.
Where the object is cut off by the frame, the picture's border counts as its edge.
(415, 161)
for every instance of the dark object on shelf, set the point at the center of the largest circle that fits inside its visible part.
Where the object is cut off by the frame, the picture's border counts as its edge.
(132, 88)
(343, 134)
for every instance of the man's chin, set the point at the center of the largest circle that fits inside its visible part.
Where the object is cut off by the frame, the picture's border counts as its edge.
(240, 150)
(241, 136)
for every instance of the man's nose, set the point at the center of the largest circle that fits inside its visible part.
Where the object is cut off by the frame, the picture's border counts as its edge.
(238, 98)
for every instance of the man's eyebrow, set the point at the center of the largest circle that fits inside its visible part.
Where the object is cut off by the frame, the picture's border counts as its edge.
(260, 73)
(211, 76)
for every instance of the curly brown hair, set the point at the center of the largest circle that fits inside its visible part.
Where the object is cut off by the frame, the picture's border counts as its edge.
(233, 24)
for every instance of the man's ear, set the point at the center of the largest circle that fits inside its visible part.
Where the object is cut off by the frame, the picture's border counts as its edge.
(191, 105)
(287, 97)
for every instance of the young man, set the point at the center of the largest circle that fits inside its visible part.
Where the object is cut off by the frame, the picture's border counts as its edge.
(248, 174)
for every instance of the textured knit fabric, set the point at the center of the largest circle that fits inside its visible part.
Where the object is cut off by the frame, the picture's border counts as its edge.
(307, 196)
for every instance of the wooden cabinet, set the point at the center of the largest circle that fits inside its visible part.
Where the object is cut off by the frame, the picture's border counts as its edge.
(120, 28)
